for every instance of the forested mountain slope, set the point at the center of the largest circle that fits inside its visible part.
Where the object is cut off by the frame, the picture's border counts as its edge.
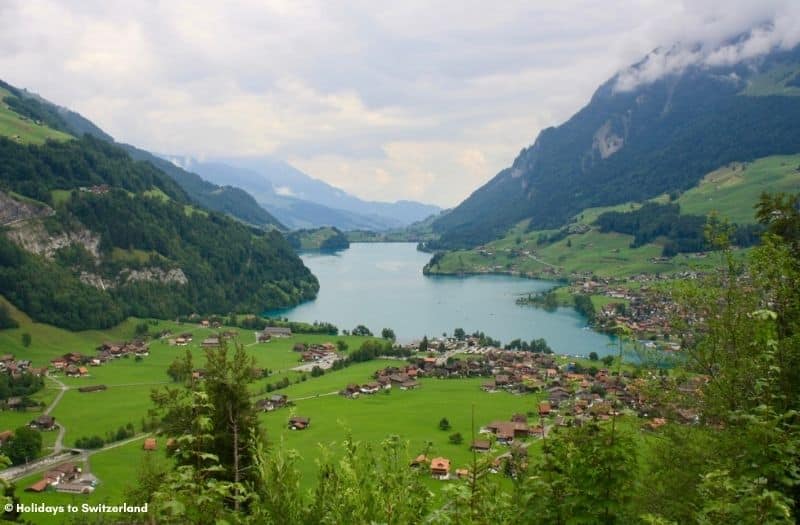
(94, 236)
(634, 143)
(23, 106)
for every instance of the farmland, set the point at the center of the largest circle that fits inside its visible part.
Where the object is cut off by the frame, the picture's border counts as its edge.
(413, 415)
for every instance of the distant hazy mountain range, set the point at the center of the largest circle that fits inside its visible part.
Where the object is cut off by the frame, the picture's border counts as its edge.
(300, 201)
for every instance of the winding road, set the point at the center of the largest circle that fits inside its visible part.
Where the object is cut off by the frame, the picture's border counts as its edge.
(58, 455)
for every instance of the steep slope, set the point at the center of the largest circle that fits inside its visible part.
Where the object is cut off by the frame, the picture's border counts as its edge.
(234, 201)
(631, 144)
(302, 201)
(90, 236)
(600, 241)
(29, 118)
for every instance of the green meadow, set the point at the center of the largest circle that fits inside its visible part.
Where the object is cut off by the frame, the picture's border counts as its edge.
(413, 415)
(22, 129)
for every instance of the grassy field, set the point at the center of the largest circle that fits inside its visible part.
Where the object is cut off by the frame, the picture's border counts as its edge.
(733, 191)
(413, 415)
(25, 130)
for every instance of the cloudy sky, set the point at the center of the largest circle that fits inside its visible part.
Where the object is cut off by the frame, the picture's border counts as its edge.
(387, 100)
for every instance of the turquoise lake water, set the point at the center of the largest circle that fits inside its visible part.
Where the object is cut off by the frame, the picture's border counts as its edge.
(381, 285)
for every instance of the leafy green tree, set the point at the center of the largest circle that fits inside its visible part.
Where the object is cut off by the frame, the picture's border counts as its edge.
(181, 368)
(444, 424)
(362, 331)
(26, 339)
(25, 445)
(593, 356)
(382, 487)
(456, 439)
(388, 333)
(459, 334)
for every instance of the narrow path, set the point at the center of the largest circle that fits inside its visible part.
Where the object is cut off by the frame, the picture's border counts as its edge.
(63, 389)
(314, 396)
(62, 430)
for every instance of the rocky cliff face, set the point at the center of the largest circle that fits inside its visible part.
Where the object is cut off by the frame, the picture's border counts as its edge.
(24, 228)
(13, 211)
(33, 237)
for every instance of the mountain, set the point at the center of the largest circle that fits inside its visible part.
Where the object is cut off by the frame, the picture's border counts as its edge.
(301, 201)
(225, 199)
(90, 236)
(641, 135)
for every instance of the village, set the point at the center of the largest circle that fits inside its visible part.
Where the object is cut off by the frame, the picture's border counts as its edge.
(563, 391)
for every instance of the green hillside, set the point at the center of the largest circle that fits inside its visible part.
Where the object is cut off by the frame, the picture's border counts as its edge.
(23, 129)
(27, 118)
(324, 239)
(70, 268)
(581, 248)
(633, 145)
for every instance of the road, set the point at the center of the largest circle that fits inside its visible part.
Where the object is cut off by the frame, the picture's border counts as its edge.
(47, 462)
(57, 456)
(59, 444)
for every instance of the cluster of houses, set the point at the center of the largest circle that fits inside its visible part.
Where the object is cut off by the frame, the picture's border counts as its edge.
(353, 390)
(68, 478)
(273, 402)
(75, 364)
(647, 311)
(272, 332)
(402, 377)
(315, 352)
(16, 367)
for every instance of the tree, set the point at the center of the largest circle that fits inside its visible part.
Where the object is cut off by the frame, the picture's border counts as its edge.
(444, 424)
(456, 439)
(361, 330)
(26, 339)
(25, 445)
(593, 356)
(181, 368)
(608, 360)
(423, 345)
(141, 329)
(388, 333)
(459, 334)
(341, 345)
(224, 392)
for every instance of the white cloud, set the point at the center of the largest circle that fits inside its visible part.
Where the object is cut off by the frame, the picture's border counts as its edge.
(712, 35)
(286, 191)
(387, 100)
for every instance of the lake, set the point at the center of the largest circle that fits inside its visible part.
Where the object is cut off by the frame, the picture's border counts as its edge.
(381, 285)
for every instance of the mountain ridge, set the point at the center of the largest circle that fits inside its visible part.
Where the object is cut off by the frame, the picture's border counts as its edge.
(301, 201)
(663, 135)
